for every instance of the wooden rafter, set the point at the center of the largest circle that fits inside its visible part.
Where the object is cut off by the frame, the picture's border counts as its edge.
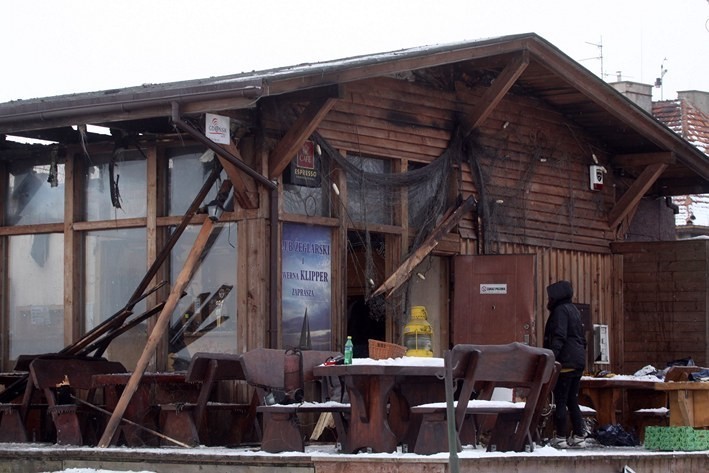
(637, 190)
(643, 159)
(494, 94)
(403, 272)
(245, 189)
(293, 140)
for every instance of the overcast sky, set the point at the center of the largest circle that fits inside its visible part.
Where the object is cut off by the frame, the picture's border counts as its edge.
(53, 47)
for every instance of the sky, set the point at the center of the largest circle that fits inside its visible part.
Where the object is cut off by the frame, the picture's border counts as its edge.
(54, 47)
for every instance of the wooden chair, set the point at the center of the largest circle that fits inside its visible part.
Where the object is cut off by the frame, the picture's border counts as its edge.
(65, 381)
(482, 368)
(185, 421)
(270, 372)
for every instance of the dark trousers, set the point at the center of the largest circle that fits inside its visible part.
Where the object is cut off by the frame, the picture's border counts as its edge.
(566, 398)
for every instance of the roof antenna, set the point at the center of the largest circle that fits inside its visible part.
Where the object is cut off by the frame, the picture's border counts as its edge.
(658, 81)
(599, 45)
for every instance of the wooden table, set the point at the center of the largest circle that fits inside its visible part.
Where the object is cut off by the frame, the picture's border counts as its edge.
(620, 394)
(381, 393)
(689, 402)
(154, 389)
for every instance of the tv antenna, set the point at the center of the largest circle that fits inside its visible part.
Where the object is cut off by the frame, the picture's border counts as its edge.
(599, 45)
(658, 81)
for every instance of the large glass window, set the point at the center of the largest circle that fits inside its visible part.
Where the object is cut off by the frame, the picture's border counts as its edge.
(188, 168)
(205, 318)
(116, 186)
(366, 201)
(35, 194)
(115, 262)
(36, 294)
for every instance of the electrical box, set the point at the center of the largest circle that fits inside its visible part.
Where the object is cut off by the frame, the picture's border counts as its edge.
(596, 177)
(601, 344)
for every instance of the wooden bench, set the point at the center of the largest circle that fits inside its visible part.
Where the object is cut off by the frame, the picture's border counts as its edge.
(65, 381)
(187, 422)
(482, 368)
(276, 373)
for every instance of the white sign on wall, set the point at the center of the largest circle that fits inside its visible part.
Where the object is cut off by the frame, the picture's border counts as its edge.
(216, 128)
(493, 289)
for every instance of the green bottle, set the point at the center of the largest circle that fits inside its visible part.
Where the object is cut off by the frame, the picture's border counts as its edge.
(348, 351)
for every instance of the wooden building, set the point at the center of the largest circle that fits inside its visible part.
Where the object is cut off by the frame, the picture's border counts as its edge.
(463, 178)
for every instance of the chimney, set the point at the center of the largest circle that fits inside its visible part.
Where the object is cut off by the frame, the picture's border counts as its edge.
(640, 94)
(697, 98)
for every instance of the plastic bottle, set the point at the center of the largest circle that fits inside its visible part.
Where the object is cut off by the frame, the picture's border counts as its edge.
(348, 351)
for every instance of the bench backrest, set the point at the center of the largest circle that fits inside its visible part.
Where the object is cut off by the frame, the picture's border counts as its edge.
(48, 372)
(514, 365)
(220, 366)
(267, 369)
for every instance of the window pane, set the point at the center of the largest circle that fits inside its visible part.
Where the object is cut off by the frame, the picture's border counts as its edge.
(205, 319)
(186, 174)
(36, 294)
(31, 199)
(128, 169)
(306, 200)
(367, 202)
(115, 265)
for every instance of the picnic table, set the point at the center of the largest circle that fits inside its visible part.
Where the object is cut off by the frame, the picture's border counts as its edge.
(155, 388)
(381, 393)
(689, 402)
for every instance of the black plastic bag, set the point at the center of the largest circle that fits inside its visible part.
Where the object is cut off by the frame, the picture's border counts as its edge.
(613, 435)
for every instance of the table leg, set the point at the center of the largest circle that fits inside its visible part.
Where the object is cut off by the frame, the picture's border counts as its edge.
(369, 427)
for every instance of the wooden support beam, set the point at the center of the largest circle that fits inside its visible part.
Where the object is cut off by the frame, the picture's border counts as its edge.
(637, 190)
(403, 272)
(161, 326)
(245, 189)
(643, 159)
(306, 124)
(493, 95)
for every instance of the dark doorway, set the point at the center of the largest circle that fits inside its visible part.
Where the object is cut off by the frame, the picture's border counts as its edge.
(365, 266)
(363, 323)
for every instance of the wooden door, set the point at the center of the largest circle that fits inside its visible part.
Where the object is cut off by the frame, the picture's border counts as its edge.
(493, 299)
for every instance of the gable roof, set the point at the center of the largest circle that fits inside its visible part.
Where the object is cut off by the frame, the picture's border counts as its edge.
(550, 75)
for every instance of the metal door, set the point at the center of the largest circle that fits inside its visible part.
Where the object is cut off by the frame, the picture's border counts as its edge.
(493, 299)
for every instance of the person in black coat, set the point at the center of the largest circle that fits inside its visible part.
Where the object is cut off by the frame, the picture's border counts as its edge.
(564, 335)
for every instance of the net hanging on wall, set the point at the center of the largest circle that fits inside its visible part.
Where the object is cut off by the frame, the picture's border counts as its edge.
(374, 195)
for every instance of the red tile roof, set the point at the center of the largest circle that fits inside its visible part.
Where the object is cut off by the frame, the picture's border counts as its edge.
(684, 119)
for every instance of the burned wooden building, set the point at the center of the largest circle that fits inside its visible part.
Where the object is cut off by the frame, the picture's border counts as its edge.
(295, 206)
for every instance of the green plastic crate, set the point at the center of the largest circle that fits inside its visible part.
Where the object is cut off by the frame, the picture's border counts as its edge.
(684, 439)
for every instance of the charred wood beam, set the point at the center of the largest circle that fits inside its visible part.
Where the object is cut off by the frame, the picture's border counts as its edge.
(161, 325)
(293, 140)
(632, 196)
(403, 272)
(220, 151)
(494, 94)
(245, 191)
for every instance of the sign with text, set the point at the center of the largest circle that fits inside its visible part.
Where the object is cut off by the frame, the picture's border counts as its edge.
(304, 169)
(306, 269)
(217, 128)
(493, 289)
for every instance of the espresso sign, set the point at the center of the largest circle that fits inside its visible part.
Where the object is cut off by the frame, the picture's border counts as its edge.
(304, 169)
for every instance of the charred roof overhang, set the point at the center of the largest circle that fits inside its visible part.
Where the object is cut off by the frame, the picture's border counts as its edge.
(621, 126)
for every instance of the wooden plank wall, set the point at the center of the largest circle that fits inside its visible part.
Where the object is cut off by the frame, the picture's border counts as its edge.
(665, 290)
(593, 278)
(534, 161)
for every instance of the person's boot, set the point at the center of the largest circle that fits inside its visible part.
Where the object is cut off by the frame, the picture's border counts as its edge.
(576, 441)
(559, 442)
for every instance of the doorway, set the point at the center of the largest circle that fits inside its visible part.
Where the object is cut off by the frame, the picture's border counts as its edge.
(365, 318)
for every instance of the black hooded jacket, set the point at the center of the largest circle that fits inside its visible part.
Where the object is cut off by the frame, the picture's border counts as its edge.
(564, 332)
